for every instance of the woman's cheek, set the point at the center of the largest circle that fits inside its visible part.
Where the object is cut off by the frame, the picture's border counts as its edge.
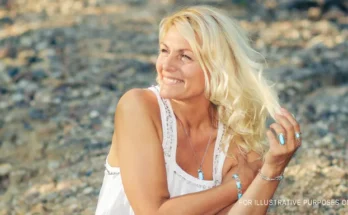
(158, 65)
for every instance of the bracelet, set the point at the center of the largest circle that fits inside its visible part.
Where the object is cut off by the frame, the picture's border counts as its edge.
(277, 178)
(239, 185)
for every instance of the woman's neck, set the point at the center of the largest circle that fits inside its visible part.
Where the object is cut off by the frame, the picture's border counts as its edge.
(195, 115)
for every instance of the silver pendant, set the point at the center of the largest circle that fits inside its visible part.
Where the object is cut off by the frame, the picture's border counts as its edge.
(200, 174)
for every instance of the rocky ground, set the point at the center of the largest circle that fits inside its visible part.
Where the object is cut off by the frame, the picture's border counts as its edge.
(64, 64)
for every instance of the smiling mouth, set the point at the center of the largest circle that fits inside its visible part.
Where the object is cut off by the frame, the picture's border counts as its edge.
(172, 81)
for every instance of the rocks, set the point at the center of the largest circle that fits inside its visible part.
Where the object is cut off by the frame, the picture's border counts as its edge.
(37, 114)
(5, 169)
(94, 114)
(314, 13)
(18, 176)
(334, 172)
(4, 177)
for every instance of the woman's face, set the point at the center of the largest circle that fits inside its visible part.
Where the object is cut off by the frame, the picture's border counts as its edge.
(179, 72)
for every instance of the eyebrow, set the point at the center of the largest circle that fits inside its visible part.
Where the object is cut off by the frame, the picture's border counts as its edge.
(180, 50)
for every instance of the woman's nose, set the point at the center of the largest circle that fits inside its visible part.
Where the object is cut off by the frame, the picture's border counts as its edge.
(169, 63)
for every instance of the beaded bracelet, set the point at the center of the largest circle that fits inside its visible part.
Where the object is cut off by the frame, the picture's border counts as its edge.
(277, 178)
(239, 185)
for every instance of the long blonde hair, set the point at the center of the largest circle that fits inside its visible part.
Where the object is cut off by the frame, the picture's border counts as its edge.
(235, 85)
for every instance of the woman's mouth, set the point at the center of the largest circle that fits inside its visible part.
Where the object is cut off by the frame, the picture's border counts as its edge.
(172, 81)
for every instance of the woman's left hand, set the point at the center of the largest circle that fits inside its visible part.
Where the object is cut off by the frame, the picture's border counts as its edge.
(284, 145)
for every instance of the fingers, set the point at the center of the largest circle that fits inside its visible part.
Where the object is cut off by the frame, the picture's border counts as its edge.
(295, 124)
(280, 132)
(289, 125)
(279, 154)
(275, 148)
(282, 150)
(291, 119)
(289, 129)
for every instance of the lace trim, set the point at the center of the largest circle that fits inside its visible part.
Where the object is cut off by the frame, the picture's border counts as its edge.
(167, 138)
(111, 170)
(203, 186)
(217, 170)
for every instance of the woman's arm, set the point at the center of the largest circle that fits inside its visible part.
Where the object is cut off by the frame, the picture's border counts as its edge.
(225, 210)
(276, 159)
(206, 202)
(142, 165)
(255, 198)
(247, 167)
(258, 194)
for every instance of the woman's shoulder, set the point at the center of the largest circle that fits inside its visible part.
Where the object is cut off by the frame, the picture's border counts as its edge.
(138, 98)
(141, 100)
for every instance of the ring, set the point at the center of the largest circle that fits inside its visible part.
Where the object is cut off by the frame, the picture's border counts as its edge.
(298, 135)
(281, 138)
(293, 116)
(298, 138)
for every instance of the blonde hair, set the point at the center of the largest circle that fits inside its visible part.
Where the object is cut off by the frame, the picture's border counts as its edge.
(235, 85)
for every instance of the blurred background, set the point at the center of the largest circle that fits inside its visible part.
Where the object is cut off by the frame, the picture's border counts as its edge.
(65, 63)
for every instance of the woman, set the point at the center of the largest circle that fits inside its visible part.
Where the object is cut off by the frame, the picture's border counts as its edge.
(194, 143)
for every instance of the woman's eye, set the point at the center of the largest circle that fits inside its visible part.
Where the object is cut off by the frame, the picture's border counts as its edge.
(187, 57)
(163, 50)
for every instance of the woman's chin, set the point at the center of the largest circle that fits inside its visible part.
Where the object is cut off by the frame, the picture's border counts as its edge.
(169, 92)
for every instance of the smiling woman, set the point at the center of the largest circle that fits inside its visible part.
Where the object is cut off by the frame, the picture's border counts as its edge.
(179, 73)
(197, 142)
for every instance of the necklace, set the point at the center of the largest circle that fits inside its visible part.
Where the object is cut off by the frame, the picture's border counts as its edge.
(200, 171)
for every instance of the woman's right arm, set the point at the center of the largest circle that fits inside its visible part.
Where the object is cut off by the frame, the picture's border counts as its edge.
(142, 165)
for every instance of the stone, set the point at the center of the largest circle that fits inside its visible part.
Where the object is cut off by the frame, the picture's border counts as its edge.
(5, 169)
(94, 114)
(17, 177)
(314, 13)
(334, 172)
(88, 190)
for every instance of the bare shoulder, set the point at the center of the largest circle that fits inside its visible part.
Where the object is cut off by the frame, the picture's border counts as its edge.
(255, 159)
(136, 107)
(253, 156)
(136, 145)
(137, 99)
(231, 161)
(142, 104)
(142, 101)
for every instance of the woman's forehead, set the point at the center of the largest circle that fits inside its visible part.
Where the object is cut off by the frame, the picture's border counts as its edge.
(172, 38)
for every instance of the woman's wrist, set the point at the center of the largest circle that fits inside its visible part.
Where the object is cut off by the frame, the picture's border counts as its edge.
(233, 190)
(271, 171)
(277, 178)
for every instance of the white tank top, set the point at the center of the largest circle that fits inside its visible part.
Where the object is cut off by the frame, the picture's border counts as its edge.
(112, 198)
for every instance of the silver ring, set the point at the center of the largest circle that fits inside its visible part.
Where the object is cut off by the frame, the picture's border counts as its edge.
(298, 135)
(298, 139)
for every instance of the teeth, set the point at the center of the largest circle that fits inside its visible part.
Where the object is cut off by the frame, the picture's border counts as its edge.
(174, 81)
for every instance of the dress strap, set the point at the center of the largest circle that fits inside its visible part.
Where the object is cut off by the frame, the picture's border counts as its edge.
(219, 156)
(167, 129)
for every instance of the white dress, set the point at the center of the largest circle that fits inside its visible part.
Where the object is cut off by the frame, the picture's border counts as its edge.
(112, 198)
